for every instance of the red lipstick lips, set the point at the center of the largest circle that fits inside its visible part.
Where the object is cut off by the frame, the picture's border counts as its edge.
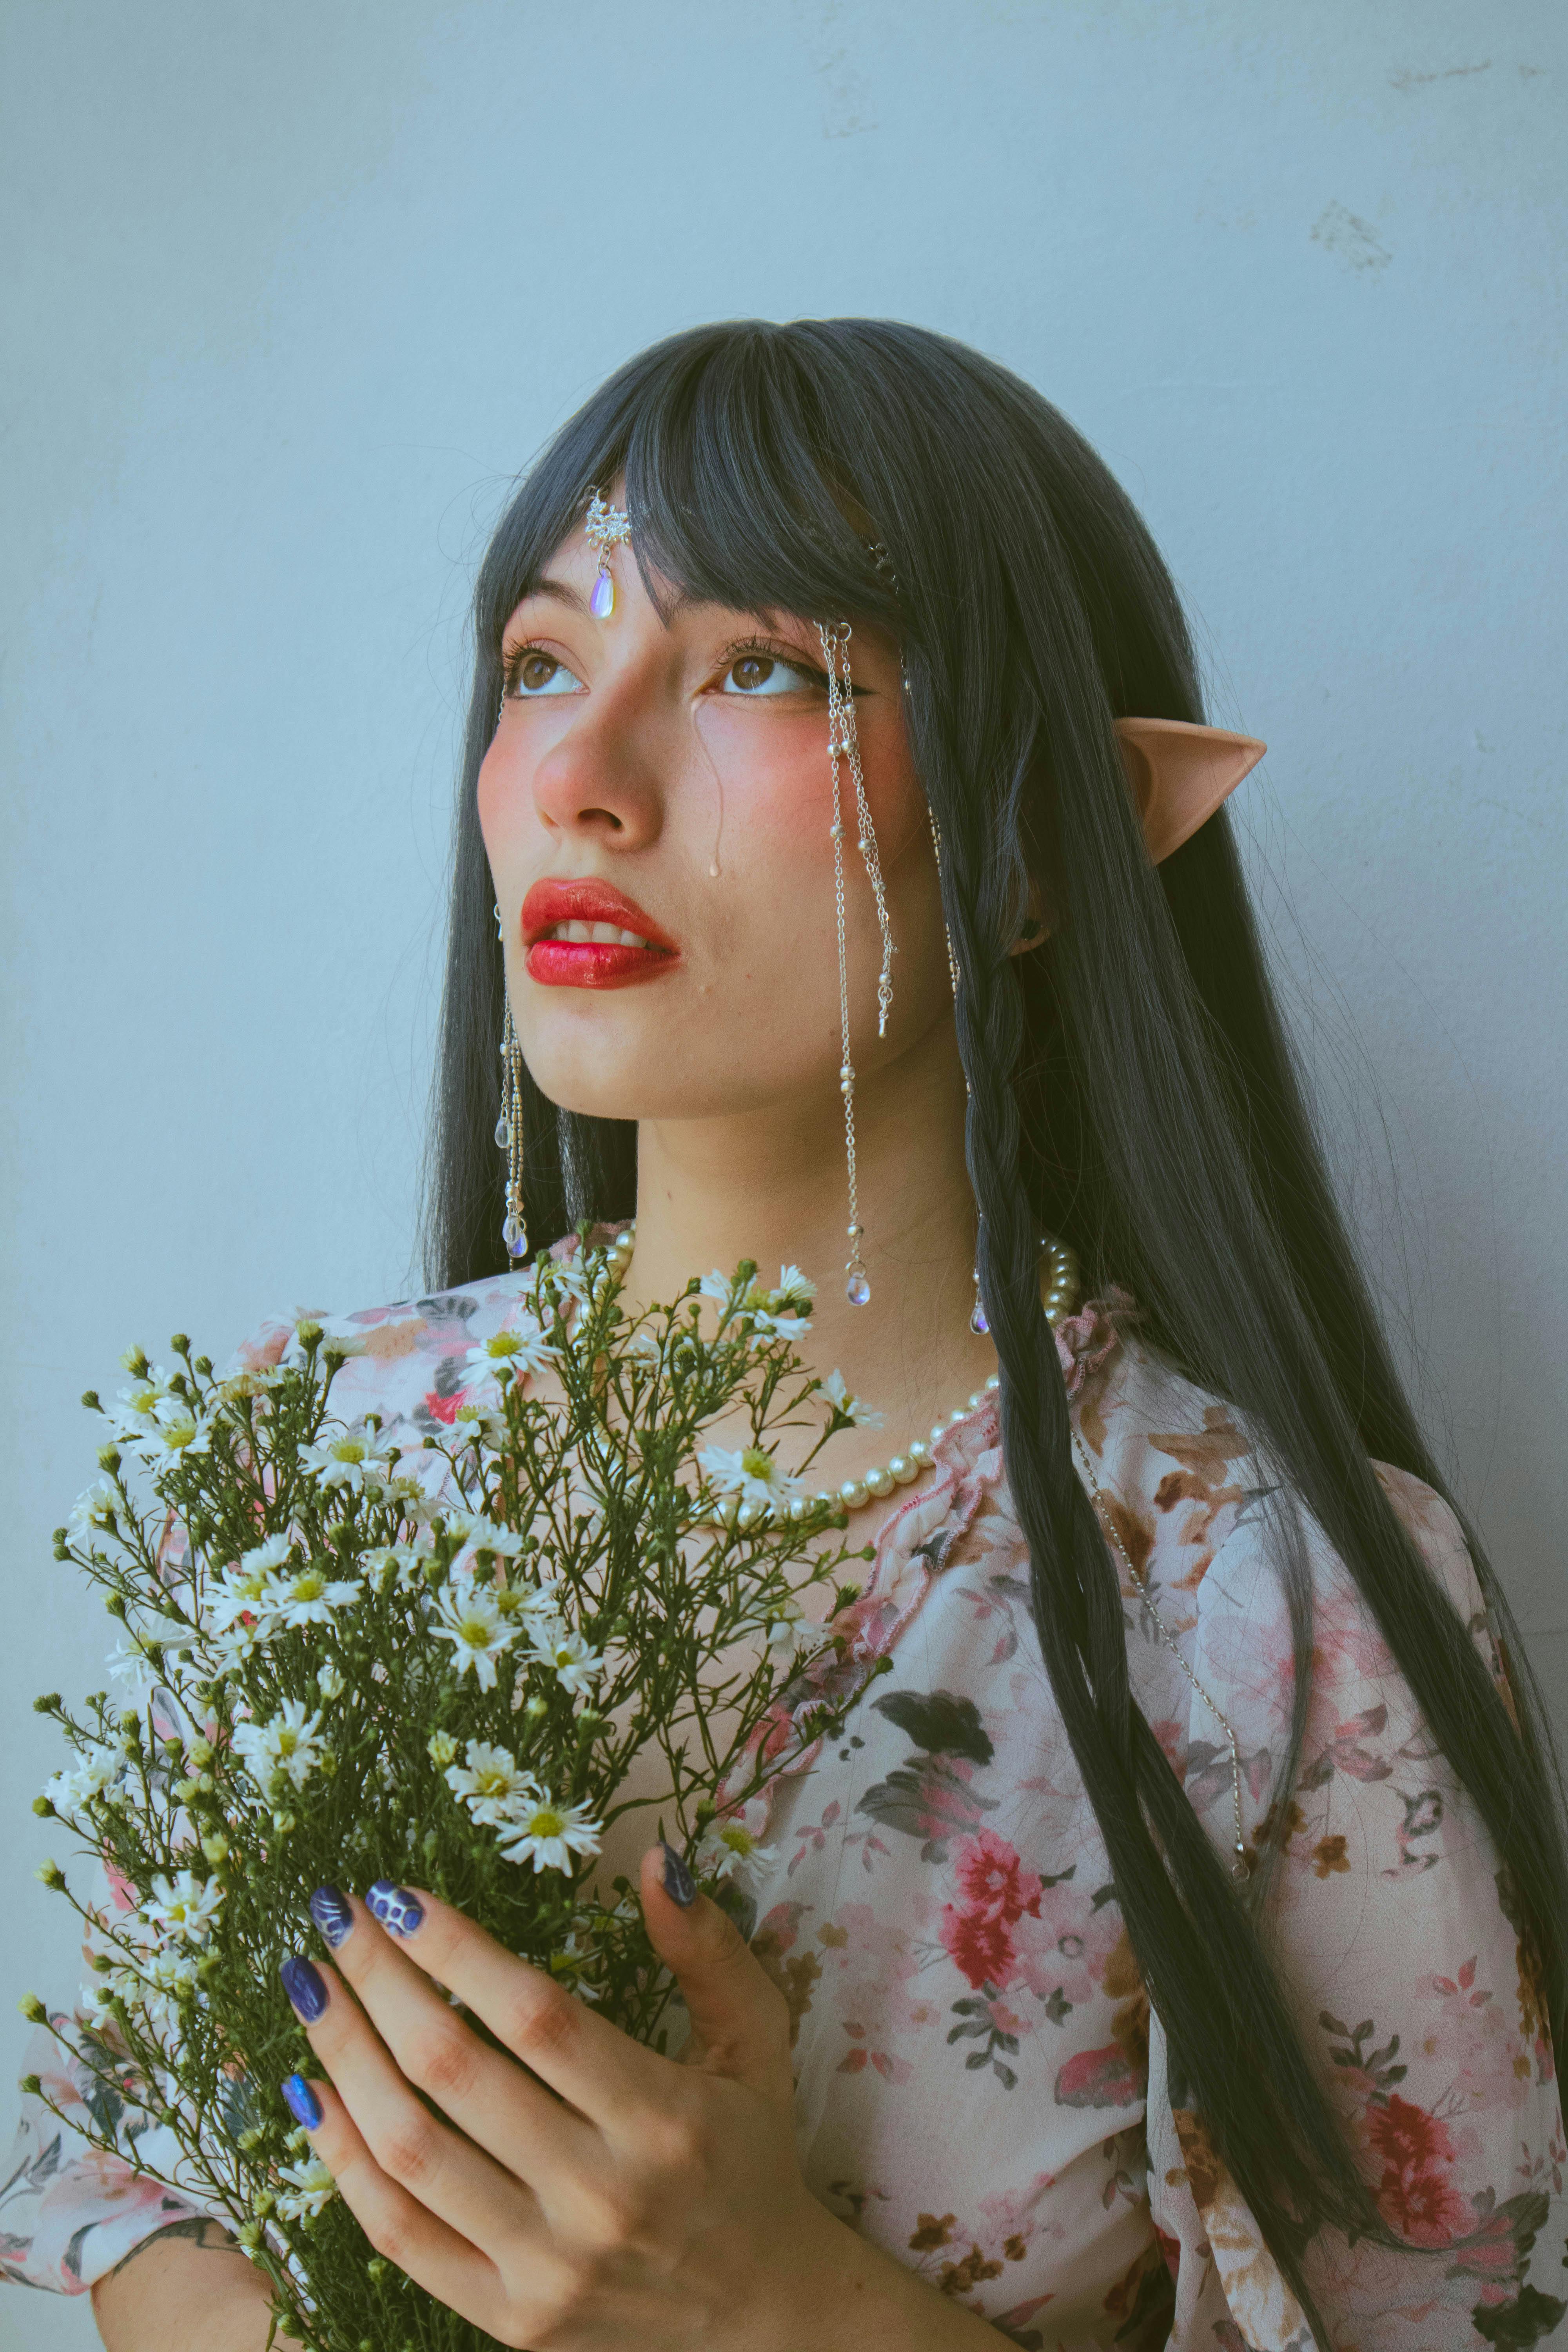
(587, 935)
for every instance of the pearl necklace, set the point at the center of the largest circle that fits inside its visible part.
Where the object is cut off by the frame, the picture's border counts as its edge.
(1058, 1296)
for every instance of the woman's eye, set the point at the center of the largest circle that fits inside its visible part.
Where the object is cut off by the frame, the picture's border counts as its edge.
(763, 673)
(536, 673)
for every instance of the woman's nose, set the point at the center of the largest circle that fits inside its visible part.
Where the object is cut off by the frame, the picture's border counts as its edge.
(599, 780)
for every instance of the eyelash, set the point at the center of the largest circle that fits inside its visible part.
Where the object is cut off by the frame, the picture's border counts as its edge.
(512, 662)
(512, 667)
(761, 647)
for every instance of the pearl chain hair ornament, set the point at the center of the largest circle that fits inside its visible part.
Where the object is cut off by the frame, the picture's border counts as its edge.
(843, 750)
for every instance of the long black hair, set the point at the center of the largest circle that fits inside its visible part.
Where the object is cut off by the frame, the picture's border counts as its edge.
(1130, 1086)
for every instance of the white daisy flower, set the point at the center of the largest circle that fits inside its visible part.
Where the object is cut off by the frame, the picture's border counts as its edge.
(235, 1645)
(394, 1563)
(728, 1849)
(251, 1380)
(795, 1293)
(241, 1590)
(405, 1489)
(170, 1633)
(838, 1397)
(330, 1681)
(491, 1782)
(182, 1907)
(351, 1458)
(548, 1834)
(95, 1509)
(466, 1615)
(517, 1348)
(310, 1596)
(142, 1401)
(750, 1474)
(481, 1425)
(477, 1534)
(790, 1630)
(127, 1662)
(177, 1429)
(310, 2187)
(156, 1986)
(97, 1770)
(576, 1665)
(288, 1743)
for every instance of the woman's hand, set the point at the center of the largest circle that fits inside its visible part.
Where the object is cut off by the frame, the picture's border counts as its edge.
(596, 2196)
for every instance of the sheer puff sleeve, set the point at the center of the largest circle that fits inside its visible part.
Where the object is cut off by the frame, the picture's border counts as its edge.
(68, 2213)
(1390, 1921)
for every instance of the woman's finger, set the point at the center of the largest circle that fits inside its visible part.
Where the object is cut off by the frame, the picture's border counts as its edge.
(597, 2068)
(740, 2019)
(499, 2107)
(434, 2255)
(455, 2181)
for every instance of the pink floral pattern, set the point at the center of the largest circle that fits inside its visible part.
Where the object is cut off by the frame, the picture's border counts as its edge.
(981, 2086)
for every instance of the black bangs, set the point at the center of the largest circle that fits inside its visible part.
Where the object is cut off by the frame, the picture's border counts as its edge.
(736, 444)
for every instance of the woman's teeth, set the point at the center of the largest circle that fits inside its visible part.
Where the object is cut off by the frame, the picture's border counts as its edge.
(608, 935)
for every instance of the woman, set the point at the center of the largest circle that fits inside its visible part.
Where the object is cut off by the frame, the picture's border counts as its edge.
(1171, 1952)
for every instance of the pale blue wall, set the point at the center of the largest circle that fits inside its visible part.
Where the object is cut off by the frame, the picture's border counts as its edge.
(291, 291)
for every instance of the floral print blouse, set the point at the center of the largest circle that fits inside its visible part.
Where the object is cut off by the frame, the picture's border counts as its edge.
(981, 2087)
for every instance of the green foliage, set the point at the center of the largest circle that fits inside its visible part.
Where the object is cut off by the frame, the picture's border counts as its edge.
(439, 1666)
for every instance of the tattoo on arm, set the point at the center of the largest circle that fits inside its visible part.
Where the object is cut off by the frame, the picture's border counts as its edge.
(210, 2236)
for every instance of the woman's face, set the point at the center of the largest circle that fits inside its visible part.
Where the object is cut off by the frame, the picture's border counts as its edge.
(671, 781)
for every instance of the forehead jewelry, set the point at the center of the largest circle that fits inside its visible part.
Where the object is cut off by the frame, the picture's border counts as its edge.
(607, 527)
(843, 750)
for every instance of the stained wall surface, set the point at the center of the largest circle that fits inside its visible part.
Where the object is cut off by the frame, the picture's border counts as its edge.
(292, 291)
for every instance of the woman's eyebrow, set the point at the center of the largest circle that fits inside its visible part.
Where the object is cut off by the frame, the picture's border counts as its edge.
(560, 592)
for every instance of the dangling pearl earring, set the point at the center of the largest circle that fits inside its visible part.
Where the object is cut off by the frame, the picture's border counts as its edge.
(508, 1129)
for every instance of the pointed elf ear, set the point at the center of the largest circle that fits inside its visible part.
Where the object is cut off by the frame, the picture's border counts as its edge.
(1180, 774)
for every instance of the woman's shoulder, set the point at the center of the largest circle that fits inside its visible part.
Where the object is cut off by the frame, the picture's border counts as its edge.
(1186, 1481)
(410, 1360)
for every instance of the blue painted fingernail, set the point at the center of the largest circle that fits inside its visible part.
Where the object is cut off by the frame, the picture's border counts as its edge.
(305, 1987)
(331, 1915)
(395, 1908)
(679, 1883)
(303, 2104)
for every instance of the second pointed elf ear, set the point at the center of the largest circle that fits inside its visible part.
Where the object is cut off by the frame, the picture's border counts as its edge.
(1180, 774)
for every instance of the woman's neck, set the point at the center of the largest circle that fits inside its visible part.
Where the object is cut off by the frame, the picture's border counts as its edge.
(769, 1184)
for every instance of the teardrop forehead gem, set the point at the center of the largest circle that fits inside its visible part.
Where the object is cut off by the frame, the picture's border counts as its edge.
(607, 527)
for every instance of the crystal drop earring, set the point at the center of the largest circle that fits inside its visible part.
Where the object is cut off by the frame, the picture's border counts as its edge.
(508, 1129)
(843, 748)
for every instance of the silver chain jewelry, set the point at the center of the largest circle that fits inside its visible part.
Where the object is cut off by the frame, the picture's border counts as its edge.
(857, 1284)
(1241, 1868)
(843, 742)
(844, 745)
(508, 1128)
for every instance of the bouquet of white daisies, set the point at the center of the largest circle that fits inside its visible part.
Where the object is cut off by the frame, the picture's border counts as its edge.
(440, 1664)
